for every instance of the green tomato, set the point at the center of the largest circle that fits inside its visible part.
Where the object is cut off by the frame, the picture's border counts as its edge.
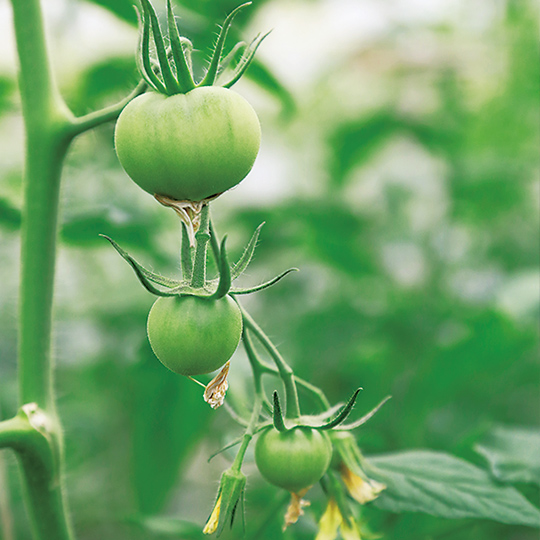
(192, 335)
(294, 459)
(188, 146)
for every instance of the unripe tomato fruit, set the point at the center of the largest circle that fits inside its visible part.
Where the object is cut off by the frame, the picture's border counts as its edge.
(188, 146)
(192, 335)
(294, 459)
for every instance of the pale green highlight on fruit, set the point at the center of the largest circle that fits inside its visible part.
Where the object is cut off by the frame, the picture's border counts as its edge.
(191, 335)
(188, 146)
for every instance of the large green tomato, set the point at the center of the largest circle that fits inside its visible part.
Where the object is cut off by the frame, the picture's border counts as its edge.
(188, 146)
(294, 459)
(192, 335)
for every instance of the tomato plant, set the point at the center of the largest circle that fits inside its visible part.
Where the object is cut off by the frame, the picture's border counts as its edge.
(188, 146)
(294, 459)
(192, 335)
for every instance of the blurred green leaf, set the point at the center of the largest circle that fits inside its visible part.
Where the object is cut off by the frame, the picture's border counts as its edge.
(170, 416)
(513, 453)
(104, 83)
(121, 8)
(10, 216)
(442, 485)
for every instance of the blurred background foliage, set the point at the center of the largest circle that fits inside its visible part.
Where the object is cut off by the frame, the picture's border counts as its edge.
(398, 171)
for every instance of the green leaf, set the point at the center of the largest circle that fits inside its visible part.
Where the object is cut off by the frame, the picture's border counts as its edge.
(443, 485)
(512, 453)
(10, 215)
(169, 419)
(121, 8)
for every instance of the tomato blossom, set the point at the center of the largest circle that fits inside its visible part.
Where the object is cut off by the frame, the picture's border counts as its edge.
(333, 523)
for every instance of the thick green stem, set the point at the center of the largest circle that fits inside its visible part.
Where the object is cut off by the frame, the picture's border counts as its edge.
(286, 373)
(202, 237)
(48, 125)
(47, 122)
(38, 452)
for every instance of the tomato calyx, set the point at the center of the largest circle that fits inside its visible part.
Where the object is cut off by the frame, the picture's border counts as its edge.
(172, 73)
(211, 288)
(318, 422)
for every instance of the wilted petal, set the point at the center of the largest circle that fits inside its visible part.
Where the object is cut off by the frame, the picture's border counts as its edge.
(296, 508)
(361, 490)
(216, 389)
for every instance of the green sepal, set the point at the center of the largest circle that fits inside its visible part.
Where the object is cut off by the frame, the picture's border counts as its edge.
(224, 284)
(365, 418)
(264, 285)
(146, 277)
(170, 81)
(342, 414)
(231, 490)
(313, 420)
(213, 67)
(245, 60)
(245, 259)
(226, 61)
(183, 73)
(277, 419)
(143, 59)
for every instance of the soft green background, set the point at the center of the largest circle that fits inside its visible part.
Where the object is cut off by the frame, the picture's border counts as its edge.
(399, 172)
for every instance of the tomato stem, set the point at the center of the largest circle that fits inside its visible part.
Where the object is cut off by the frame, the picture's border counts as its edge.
(186, 260)
(248, 434)
(292, 411)
(201, 237)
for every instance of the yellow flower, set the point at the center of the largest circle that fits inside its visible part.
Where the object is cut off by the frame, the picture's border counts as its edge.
(361, 490)
(332, 523)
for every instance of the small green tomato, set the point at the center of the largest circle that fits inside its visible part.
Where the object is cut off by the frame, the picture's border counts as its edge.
(192, 335)
(188, 146)
(294, 459)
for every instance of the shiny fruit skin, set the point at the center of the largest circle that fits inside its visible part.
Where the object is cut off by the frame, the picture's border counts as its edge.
(192, 335)
(294, 459)
(188, 146)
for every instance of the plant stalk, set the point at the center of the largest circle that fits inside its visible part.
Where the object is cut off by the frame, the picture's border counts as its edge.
(47, 124)
(201, 237)
(292, 411)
